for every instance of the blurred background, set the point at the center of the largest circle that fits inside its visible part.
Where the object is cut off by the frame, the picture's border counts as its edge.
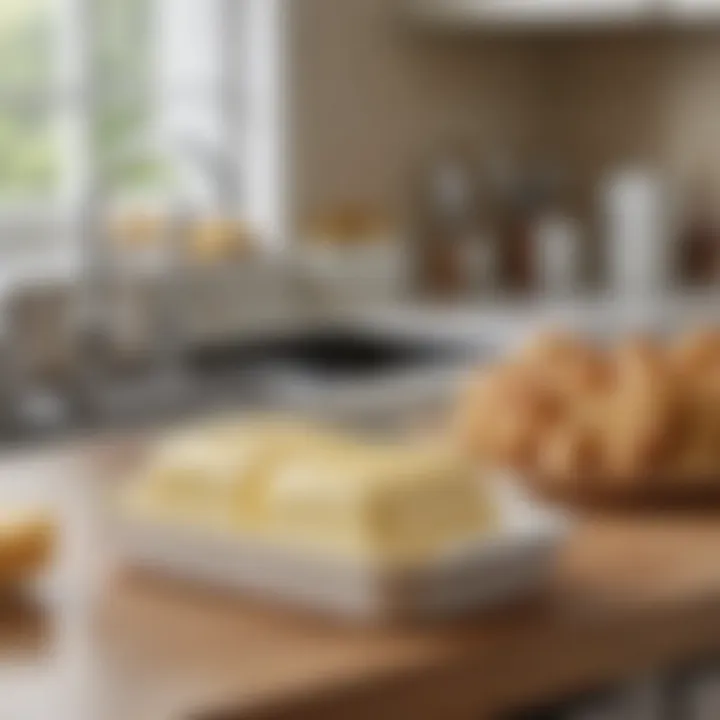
(180, 178)
(179, 175)
(338, 207)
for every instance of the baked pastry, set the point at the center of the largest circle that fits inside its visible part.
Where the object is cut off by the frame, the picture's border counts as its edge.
(217, 239)
(27, 544)
(697, 352)
(569, 455)
(635, 419)
(138, 230)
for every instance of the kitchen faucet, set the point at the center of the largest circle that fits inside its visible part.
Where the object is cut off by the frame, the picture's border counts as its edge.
(101, 273)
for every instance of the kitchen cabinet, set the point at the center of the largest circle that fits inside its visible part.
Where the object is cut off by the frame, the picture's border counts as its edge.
(558, 14)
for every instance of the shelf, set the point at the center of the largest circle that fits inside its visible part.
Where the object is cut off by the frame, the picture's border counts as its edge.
(693, 11)
(562, 14)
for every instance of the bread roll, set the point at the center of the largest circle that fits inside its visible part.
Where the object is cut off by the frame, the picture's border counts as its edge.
(698, 352)
(631, 419)
(27, 544)
(551, 347)
(640, 359)
(568, 366)
(569, 457)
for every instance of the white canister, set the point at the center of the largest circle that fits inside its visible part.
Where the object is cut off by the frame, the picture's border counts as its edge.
(638, 208)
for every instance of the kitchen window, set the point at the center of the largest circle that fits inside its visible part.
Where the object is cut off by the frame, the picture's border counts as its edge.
(139, 101)
(28, 147)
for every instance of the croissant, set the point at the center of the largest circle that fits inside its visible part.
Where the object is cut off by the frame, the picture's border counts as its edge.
(625, 419)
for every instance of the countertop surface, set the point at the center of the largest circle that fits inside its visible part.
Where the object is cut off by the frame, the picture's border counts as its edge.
(506, 321)
(630, 594)
(483, 327)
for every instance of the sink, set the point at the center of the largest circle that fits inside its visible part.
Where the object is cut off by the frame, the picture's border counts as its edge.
(332, 355)
(350, 373)
(353, 374)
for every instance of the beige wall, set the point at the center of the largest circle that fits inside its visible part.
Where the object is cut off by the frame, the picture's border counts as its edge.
(651, 98)
(369, 94)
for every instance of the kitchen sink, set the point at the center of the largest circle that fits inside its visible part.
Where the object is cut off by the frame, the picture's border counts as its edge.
(350, 373)
(333, 355)
(353, 374)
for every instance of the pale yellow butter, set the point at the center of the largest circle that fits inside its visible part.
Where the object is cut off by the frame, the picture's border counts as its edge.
(218, 474)
(385, 503)
(301, 485)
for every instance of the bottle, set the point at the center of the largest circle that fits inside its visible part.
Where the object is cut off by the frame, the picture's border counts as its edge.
(699, 238)
(480, 261)
(512, 216)
(556, 239)
(444, 215)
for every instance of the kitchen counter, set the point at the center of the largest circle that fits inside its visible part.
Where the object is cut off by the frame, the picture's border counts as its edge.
(482, 329)
(239, 301)
(630, 595)
(506, 321)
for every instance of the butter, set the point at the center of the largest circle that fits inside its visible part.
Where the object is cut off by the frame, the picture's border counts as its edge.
(301, 485)
(386, 504)
(218, 474)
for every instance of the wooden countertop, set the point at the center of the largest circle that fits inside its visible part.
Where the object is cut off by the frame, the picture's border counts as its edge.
(631, 594)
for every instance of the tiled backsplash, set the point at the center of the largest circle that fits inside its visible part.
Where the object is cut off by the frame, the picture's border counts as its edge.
(369, 94)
